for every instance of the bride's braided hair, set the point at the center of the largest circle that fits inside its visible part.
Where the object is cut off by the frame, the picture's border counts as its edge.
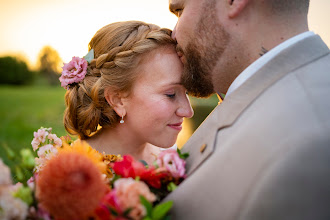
(118, 48)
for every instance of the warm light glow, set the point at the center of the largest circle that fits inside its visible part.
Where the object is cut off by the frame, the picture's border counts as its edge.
(68, 26)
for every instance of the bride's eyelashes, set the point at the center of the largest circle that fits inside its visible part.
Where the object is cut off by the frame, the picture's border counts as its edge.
(171, 96)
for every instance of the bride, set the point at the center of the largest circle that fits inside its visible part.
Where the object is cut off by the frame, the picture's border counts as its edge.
(130, 99)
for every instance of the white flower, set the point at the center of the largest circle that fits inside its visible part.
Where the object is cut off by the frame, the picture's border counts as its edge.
(11, 208)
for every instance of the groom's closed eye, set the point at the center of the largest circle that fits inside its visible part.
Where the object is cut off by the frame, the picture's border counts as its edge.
(176, 8)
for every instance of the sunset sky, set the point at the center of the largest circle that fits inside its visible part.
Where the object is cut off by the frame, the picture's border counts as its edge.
(68, 25)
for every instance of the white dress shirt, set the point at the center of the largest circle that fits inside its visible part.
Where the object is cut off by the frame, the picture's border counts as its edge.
(259, 63)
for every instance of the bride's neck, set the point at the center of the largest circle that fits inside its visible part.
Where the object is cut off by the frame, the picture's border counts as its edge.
(117, 141)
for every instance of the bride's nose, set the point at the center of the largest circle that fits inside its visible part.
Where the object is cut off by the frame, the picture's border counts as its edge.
(185, 109)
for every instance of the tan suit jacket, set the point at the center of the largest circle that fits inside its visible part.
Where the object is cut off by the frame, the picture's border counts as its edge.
(267, 153)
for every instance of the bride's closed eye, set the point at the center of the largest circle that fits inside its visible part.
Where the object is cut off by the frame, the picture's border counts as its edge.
(171, 96)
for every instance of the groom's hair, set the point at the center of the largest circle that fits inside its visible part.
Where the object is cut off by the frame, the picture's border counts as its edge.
(283, 7)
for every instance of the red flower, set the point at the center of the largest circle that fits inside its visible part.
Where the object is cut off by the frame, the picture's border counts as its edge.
(129, 167)
(109, 201)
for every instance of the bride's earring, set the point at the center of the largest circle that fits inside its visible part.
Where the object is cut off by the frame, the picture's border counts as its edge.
(122, 120)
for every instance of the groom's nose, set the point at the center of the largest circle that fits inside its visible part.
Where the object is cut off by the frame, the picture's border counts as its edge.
(174, 32)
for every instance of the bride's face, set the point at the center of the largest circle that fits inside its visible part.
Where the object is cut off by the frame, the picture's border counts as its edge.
(158, 101)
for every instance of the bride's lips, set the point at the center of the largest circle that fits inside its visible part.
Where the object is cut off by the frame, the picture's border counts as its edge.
(177, 126)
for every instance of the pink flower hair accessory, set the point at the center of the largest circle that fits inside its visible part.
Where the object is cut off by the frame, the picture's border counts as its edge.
(76, 70)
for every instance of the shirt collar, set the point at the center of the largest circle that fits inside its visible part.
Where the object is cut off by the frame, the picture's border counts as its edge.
(259, 63)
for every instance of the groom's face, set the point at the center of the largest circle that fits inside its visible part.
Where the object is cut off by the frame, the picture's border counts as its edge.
(201, 42)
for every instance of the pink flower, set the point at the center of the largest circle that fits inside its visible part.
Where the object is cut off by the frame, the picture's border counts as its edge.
(47, 151)
(73, 72)
(31, 183)
(57, 141)
(35, 144)
(171, 160)
(5, 177)
(128, 192)
(39, 137)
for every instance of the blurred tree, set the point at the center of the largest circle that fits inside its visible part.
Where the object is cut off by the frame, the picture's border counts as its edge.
(50, 64)
(14, 71)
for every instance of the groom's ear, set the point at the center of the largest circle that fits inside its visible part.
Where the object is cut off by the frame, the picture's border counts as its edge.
(236, 7)
(115, 100)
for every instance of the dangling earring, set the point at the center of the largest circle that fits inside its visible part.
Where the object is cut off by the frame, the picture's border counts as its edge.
(122, 120)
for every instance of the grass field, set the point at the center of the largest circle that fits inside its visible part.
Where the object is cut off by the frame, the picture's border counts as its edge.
(25, 109)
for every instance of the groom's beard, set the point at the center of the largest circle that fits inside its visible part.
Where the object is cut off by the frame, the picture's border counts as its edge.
(196, 77)
(203, 52)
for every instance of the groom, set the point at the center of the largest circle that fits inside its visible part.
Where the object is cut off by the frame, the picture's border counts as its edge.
(264, 152)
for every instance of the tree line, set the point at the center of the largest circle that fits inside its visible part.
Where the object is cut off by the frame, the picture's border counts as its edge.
(15, 71)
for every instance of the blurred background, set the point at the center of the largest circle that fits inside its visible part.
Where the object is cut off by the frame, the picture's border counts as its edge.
(37, 36)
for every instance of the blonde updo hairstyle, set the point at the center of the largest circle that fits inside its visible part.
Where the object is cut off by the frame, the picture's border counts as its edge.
(118, 48)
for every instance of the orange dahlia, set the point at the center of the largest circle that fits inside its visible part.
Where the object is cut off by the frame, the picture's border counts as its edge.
(71, 185)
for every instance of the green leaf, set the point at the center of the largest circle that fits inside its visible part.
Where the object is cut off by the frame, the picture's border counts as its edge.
(27, 158)
(147, 205)
(10, 153)
(19, 174)
(168, 217)
(127, 211)
(160, 211)
(89, 56)
(113, 211)
(182, 155)
(25, 194)
(144, 163)
(171, 187)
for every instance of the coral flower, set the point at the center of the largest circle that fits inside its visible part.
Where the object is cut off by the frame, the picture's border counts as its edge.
(71, 186)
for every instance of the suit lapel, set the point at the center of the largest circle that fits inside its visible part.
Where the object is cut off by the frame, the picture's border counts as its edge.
(203, 142)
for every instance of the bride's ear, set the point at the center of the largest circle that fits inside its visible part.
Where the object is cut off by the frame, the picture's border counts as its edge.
(115, 100)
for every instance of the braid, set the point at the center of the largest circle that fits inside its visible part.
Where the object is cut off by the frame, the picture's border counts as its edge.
(117, 50)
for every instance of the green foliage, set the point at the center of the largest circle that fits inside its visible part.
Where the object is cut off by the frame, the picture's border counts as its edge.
(14, 71)
(159, 212)
(25, 194)
(182, 155)
(171, 187)
(24, 110)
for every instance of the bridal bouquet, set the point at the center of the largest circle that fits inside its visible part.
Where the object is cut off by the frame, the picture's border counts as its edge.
(71, 180)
